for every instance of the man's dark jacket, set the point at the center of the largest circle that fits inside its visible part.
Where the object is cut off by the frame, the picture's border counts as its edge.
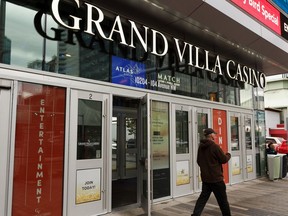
(210, 159)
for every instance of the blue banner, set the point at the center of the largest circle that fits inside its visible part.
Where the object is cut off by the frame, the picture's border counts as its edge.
(128, 72)
(282, 4)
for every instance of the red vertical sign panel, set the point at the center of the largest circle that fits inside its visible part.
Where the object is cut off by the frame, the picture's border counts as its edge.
(39, 151)
(220, 126)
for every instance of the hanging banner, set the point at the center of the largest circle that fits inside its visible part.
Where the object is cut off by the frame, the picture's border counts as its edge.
(220, 126)
(160, 134)
(128, 72)
(263, 11)
(39, 151)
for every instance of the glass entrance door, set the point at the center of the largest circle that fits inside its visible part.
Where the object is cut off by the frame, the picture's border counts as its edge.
(249, 148)
(202, 122)
(235, 140)
(124, 156)
(182, 137)
(87, 183)
(145, 155)
(130, 153)
(5, 101)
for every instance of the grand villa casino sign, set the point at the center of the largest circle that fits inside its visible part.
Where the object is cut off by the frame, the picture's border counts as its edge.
(150, 40)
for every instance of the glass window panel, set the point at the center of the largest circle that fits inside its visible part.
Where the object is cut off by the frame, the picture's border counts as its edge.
(183, 86)
(259, 99)
(231, 95)
(160, 149)
(234, 133)
(27, 51)
(144, 146)
(248, 135)
(246, 99)
(202, 124)
(182, 136)
(131, 155)
(114, 143)
(163, 84)
(49, 47)
(260, 133)
(89, 139)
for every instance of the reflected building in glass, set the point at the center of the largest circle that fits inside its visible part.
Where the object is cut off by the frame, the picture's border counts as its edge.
(108, 100)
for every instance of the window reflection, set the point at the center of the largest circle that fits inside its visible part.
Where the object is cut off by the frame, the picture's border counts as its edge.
(23, 46)
(248, 136)
(160, 146)
(89, 142)
(234, 133)
(259, 99)
(202, 122)
(260, 141)
(114, 143)
(131, 153)
(182, 140)
(246, 96)
(36, 41)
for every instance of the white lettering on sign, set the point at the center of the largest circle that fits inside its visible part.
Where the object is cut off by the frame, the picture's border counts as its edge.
(40, 152)
(220, 131)
(285, 27)
(159, 42)
(267, 15)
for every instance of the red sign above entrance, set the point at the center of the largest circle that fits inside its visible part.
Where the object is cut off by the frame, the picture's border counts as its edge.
(263, 11)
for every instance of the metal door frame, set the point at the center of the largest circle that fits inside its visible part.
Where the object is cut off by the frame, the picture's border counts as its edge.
(6, 98)
(196, 141)
(145, 154)
(236, 173)
(123, 113)
(249, 160)
(180, 190)
(94, 207)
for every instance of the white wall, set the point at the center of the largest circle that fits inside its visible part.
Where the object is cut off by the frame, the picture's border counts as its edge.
(276, 98)
(272, 119)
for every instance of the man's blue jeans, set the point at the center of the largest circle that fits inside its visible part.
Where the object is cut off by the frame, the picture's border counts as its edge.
(219, 190)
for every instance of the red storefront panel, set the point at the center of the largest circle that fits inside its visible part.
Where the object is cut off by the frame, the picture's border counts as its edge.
(220, 126)
(39, 151)
(263, 11)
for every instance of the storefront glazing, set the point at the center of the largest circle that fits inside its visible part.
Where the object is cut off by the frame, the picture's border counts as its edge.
(31, 38)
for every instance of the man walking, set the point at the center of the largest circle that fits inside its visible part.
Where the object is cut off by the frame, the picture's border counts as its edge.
(210, 158)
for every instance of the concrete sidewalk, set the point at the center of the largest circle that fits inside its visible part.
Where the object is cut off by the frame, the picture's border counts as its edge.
(259, 197)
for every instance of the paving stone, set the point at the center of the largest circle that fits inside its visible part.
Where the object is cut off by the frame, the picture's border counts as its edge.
(258, 197)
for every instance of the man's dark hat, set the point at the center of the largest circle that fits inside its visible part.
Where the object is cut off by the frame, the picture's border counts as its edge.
(209, 131)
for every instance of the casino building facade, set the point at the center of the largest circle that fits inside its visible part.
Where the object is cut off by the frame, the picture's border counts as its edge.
(103, 103)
